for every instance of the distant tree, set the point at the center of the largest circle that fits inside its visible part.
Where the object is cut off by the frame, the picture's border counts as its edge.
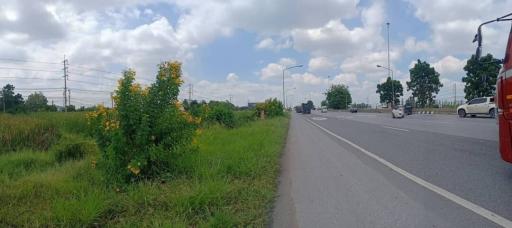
(36, 102)
(323, 103)
(424, 83)
(9, 101)
(385, 91)
(71, 108)
(480, 76)
(338, 97)
(310, 104)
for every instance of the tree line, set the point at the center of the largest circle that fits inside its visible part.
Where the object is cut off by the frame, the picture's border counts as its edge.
(480, 81)
(12, 102)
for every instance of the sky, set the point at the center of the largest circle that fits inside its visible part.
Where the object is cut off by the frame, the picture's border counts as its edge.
(236, 49)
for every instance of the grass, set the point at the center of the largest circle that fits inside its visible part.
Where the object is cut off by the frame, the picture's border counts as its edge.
(230, 180)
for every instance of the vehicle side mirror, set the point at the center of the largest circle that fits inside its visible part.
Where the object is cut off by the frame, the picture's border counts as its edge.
(478, 39)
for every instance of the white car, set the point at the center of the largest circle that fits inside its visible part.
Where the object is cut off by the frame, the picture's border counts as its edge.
(323, 109)
(398, 112)
(478, 106)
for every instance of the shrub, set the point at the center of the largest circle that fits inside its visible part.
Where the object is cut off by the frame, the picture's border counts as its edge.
(271, 107)
(222, 113)
(17, 132)
(72, 148)
(147, 127)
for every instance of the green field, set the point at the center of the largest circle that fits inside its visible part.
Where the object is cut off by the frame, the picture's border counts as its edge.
(229, 180)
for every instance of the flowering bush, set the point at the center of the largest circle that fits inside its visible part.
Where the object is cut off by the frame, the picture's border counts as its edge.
(140, 136)
(271, 107)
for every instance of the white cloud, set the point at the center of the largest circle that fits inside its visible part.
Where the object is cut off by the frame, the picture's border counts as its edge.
(336, 39)
(320, 64)
(412, 45)
(449, 65)
(275, 70)
(349, 79)
(308, 78)
(269, 43)
(232, 77)
(453, 24)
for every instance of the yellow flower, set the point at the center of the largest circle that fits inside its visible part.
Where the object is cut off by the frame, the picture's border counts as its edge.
(134, 170)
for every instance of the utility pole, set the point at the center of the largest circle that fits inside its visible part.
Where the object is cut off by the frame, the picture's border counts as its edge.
(230, 98)
(112, 99)
(3, 98)
(455, 93)
(190, 88)
(69, 97)
(389, 69)
(65, 83)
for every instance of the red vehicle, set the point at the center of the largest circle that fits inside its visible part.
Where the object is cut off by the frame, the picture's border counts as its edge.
(503, 92)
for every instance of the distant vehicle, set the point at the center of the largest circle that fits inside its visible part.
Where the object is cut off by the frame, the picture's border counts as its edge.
(397, 112)
(298, 109)
(306, 109)
(353, 110)
(408, 109)
(323, 109)
(478, 106)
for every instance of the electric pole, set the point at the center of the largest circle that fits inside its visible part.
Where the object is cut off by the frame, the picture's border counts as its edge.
(69, 97)
(3, 98)
(190, 88)
(455, 93)
(65, 83)
(112, 99)
(230, 98)
(389, 69)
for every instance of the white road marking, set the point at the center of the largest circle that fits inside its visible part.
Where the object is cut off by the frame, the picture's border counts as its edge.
(394, 128)
(318, 118)
(446, 194)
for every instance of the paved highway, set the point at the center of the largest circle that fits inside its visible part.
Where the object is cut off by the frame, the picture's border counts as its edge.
(368, 170)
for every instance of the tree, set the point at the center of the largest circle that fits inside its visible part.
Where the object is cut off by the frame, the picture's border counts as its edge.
(9, 101)
(310, 104)
(323, 103)
(385, 91)
(338, 97)
(424, 83)
(480, 76)
(36, 102)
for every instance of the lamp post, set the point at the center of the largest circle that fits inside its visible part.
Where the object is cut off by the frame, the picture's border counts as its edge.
(284, 69)
(287, 95)
(392, 86)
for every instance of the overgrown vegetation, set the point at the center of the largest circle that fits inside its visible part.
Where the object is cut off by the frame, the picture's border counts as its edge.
(147, 162)
(229, 180)
(271, 108)
(26, 132)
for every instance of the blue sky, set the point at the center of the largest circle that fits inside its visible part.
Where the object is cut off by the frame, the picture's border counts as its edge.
(238, 48)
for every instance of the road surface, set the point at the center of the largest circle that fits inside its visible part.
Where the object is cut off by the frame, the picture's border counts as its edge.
(368, 170)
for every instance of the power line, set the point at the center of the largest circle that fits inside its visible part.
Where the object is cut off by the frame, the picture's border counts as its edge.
(35, 89)
(93, 83)
(27, 69)
(88, 90)
(30, 78)
(26, 61)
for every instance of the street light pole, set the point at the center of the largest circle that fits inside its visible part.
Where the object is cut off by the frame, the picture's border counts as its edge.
(287, 94)
(284, 69)
(392, 82)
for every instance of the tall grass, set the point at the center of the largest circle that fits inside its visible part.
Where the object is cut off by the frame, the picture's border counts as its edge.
(228, 181)
(19, 132)
(38, 131)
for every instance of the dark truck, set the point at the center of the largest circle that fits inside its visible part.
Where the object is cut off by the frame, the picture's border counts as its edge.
(306, 108)
(408, 109)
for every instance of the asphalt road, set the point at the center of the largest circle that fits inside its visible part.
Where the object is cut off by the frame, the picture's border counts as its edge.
(330, 182)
